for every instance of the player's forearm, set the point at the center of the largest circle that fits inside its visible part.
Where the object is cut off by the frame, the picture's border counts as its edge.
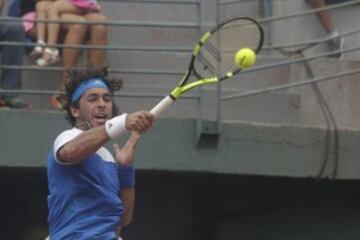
(128, 199)
(82, 146)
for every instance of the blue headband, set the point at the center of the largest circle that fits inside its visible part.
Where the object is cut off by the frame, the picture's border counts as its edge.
(86, 85)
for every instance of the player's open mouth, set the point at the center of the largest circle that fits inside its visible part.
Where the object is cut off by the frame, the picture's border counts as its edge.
(101, 117)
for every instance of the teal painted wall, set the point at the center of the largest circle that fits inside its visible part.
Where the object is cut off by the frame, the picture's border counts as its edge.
(243, 148)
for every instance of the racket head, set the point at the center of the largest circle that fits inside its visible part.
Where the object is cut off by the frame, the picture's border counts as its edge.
(214, 54)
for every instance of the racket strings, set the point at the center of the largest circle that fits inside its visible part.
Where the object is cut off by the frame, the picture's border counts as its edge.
(216, 56)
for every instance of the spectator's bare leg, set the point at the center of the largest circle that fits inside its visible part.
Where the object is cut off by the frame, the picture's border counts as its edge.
(41, 7)
(335, 41)
(98, 36)
(53, 12)
(323, 16)
(74, 35)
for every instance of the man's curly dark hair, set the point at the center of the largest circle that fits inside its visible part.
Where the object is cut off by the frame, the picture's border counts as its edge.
(76, 77)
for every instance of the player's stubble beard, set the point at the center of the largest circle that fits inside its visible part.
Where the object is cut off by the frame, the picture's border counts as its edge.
(83, 125)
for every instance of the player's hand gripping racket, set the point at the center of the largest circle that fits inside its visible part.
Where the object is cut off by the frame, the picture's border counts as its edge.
(212, 58)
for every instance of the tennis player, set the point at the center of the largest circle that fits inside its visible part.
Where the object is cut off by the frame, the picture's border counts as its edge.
(86, 182)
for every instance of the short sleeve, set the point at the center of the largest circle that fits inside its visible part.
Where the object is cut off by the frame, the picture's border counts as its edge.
(64, 138)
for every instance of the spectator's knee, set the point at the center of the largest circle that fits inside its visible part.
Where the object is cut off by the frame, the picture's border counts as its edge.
(51, 11)
(77, 28)
(99, 29)
(98, 18)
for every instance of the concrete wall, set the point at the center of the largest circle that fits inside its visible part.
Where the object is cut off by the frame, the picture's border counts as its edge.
(341, 94)
(242, 148)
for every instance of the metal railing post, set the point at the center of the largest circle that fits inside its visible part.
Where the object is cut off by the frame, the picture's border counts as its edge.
(266, 12)
(199, 102)
(219, 86)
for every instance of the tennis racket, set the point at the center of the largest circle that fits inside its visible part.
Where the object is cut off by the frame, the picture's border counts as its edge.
(212, 58)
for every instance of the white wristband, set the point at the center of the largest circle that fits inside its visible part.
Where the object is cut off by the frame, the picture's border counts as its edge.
(116, 126)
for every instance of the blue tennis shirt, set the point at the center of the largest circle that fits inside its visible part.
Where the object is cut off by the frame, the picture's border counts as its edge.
(83, 199)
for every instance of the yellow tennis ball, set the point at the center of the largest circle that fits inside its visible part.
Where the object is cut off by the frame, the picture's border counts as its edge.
(245, 58)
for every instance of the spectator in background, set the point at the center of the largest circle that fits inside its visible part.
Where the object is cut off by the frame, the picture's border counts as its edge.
(11, 55)
(95, 34)
(71, 34)
(335, 41)
(39, 14)
(52, 11)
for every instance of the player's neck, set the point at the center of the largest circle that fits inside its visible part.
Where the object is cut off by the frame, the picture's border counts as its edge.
(83, 125)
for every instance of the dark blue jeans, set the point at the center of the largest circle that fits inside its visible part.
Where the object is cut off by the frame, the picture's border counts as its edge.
(11, 55)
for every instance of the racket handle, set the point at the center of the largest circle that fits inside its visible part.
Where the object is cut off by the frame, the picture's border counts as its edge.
(161, 106)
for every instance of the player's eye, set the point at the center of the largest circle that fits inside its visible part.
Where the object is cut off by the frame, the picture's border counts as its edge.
(106, 98)
(92, 97)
